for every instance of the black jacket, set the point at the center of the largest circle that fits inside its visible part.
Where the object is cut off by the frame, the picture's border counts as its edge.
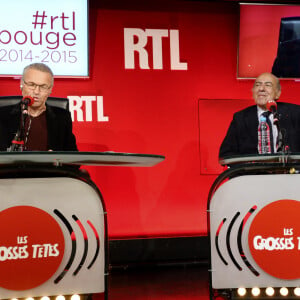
(59, 126)
(242, 137)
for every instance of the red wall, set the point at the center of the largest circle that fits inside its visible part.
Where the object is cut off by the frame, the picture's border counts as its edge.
(160, 111)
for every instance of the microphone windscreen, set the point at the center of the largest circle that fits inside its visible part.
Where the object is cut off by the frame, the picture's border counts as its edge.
(271, 105)
(28, 100)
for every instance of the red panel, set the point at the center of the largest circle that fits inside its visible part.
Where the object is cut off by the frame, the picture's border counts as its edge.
(215, 116)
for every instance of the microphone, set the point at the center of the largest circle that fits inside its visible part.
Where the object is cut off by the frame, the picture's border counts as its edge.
(272, 106)
(18, 142)
(281, 146)
(27, 101)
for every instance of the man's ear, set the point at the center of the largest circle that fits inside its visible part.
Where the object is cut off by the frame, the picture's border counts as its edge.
(277, 95)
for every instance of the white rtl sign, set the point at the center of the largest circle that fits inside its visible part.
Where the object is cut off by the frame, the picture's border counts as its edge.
(82, 107)
(136, 39)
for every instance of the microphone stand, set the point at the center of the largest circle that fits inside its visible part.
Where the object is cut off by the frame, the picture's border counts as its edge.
(18, 143)
(282, 147)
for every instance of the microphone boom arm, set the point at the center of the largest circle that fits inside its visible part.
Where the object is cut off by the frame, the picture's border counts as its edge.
(281, 146)
(18, 143)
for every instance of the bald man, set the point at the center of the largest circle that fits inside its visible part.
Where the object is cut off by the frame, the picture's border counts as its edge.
(242, 136)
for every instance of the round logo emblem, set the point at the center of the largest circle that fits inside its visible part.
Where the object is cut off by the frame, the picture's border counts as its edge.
(31, 247)
(274, 239)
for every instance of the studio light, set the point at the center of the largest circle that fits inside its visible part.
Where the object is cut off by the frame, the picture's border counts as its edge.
(241, 291)
(270, 291)
(75, 297)
(284, 291)
(255, 291)
(297, 291)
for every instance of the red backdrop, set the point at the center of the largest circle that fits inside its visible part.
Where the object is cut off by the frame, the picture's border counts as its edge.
(182, 114)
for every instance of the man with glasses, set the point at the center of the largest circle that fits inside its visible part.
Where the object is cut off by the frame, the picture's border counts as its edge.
(46, 127)
(244, 135)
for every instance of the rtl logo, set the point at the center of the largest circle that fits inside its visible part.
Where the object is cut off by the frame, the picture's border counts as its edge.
(82, 107)
(136, 40)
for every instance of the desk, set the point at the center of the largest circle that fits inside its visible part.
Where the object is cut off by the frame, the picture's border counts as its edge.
(254, 227)
(53, 222)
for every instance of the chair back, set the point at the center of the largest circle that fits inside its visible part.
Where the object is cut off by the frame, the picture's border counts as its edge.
(52, 101)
